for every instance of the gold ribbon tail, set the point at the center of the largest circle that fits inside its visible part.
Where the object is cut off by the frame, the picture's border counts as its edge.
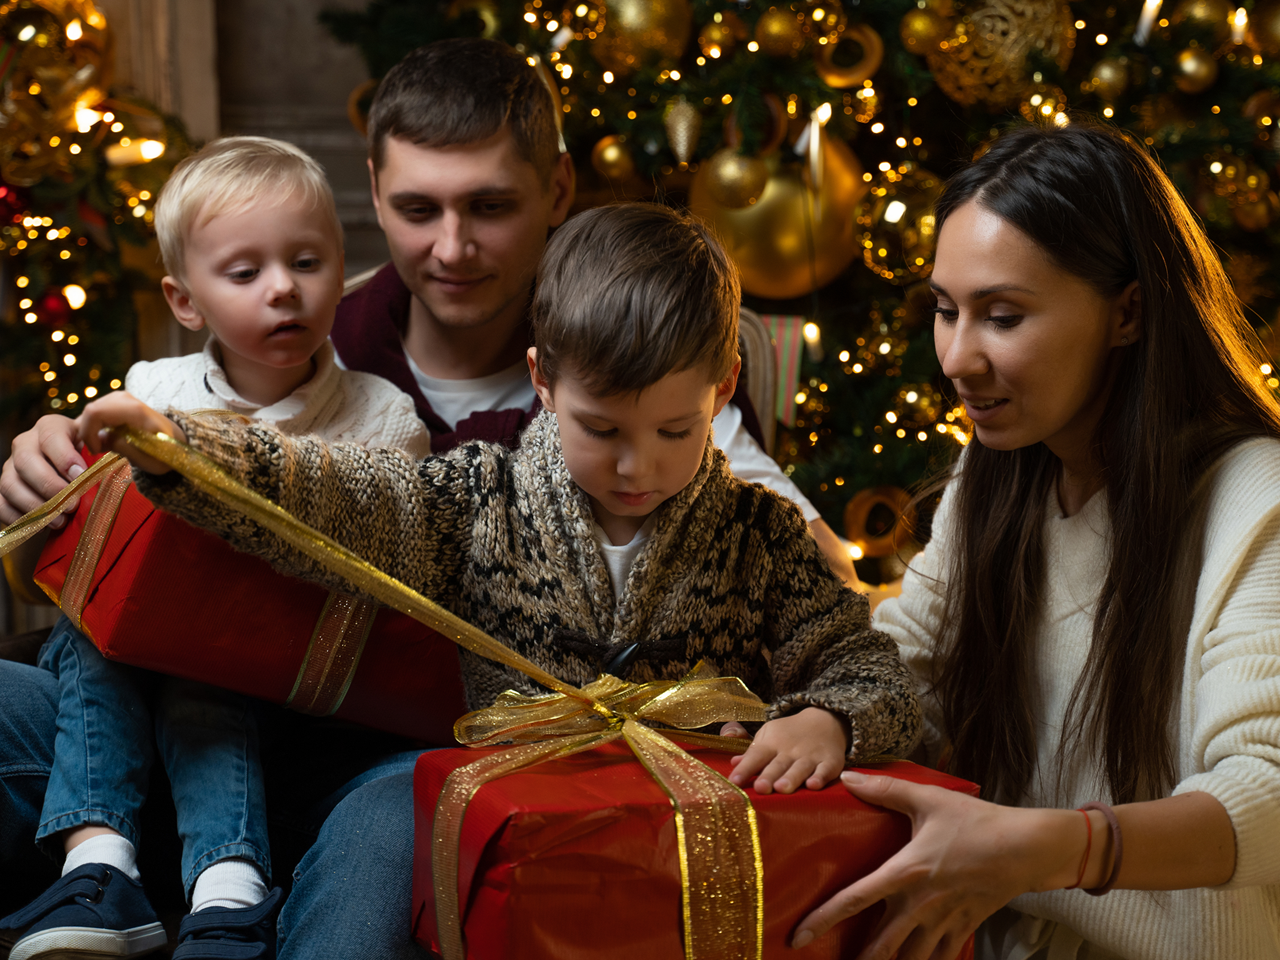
(93, 538)
(28, 525)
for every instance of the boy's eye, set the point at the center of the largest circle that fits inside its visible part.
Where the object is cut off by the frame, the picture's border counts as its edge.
(307, 263)
(243, 275)
(672, 435)
(592, 432)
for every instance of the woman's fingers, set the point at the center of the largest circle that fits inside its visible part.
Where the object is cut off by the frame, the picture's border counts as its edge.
(899, 795)
(847, 903)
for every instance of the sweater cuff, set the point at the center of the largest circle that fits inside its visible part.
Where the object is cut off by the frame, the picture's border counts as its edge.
(1255, 817)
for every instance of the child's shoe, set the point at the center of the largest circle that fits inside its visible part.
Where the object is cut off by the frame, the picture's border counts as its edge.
(226, 933)
(93, 913)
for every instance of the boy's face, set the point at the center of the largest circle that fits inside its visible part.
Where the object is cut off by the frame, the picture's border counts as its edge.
(266, 280)
(466, 224)
(631, 452)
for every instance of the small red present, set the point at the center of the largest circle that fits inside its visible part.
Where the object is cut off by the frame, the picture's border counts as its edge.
(153, 591)
(575, 858)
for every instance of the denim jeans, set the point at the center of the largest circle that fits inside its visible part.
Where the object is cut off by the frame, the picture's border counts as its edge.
(104, 750)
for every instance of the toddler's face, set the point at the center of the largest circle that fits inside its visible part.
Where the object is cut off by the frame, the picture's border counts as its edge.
(267, 281)
(632, 452)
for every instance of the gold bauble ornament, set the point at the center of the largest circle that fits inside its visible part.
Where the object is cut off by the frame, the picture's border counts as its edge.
(843, 77)
(922, 29)
(586, 18)
(1045, 104)
(683, 123)
(1197, 70)
(612, 158)
(1264, 27)
(59, 62)
(983, 59)
(722, 35)
(642, 30)
(1257, 211)
(1110, 78)
(780, 32)
(790, 241)
(735, 181)
(896, 224)
(1214, 15)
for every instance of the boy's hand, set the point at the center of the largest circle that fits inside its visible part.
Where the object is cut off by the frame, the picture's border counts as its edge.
(805, 749)
(96, 426)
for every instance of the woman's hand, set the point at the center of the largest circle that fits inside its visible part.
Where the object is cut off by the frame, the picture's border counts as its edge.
(97, 428)
(967, 858)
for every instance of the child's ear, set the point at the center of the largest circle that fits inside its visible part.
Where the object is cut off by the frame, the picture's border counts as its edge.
(726, 387)
(180, 302)
(540, 385)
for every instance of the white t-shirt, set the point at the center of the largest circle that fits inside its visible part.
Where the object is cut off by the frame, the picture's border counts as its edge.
(455, 400)
(620, 558)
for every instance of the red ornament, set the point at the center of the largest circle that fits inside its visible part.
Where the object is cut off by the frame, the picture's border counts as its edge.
(53, 309)
(13, 203)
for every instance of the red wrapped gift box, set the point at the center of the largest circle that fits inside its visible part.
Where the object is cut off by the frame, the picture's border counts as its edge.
(176, 599)
(575, 859)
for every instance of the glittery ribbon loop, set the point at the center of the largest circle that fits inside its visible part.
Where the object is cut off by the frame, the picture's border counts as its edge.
(97, 527)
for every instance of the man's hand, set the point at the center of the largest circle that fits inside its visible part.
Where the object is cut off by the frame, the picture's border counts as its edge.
(805, 749)
(42, 461)
(99, 422)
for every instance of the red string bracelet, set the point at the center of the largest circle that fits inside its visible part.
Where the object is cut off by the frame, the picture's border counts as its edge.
(1117, 847)
(1088, 848)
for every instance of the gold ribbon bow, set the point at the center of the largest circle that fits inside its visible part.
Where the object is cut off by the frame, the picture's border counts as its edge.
(717, 835)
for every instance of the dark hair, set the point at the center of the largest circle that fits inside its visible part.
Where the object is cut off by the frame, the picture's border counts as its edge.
(1183, 394)
(464, 91)
(631, 292)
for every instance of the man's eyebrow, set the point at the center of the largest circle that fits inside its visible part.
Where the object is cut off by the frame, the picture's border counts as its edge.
(414, 196)
(986, 291)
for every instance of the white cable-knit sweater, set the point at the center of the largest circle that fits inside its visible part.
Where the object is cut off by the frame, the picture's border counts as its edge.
(1227, 728)
(335, 404)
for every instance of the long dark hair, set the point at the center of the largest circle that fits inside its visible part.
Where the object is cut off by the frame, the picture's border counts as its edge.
(1183, 394)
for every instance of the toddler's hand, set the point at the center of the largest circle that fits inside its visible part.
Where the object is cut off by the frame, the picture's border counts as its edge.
(805, 749)
(97, 423)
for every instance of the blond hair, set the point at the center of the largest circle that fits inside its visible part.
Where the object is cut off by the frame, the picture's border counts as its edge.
(230, 175)
(630, 292)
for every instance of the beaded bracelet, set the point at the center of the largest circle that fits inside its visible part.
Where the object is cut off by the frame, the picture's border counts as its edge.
(1117, 844)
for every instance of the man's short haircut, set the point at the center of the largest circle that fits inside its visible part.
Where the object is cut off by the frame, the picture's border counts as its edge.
(461, 92)
(230, 175)
(631, 292)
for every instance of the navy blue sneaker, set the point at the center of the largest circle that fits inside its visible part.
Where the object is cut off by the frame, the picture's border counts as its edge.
(226, 933)
(95, 912)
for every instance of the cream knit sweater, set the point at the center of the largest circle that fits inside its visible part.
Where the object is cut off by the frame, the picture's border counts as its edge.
(335, 404)
(1226, 728)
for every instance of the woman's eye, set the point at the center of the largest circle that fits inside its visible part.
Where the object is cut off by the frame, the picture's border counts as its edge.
(946, 314)
(1005, 320)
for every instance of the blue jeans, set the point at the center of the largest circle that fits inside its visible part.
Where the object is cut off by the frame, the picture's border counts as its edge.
(104, 750)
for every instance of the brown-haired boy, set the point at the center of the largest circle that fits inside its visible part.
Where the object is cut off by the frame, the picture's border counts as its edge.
(616, 522)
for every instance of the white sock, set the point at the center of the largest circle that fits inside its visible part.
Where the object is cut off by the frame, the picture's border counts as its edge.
(109, 848)
(228, 883)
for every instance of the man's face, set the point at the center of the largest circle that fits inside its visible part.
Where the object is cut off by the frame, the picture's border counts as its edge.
(467, 224)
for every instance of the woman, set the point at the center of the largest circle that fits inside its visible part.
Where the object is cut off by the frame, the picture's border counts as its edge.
(1098, 615)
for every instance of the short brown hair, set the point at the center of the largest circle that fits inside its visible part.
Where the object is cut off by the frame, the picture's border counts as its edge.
(631, 292)
(464, 91)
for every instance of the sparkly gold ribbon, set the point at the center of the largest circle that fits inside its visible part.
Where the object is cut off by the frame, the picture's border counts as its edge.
(332, 656)
(718, 839)
(93, 539)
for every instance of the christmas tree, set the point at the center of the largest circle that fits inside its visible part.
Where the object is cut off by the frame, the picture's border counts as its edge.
(816, 135)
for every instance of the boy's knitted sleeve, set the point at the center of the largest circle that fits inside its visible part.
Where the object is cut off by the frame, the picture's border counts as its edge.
(411, 519)
(827, 654)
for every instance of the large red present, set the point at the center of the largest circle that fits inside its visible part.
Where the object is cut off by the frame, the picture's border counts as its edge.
(153, 591)
(575, 858)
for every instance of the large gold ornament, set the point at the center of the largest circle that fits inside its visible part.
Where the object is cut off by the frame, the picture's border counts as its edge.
(1264, 27)
(1110, 78)
(922, 29)
(1213, 14)
(733, 180)
(1197, 70)
(719, 37)
(790, 241)
(896, 224)
(612, 158)
(780, 32)
(841, 77)
(61, 63)
(983, 60)
(642, 30)
(683, 123)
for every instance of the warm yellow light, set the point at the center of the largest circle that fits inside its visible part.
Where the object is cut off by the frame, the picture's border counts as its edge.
(57, 336)
(1100, 39)
(1108, 112)
(844, 356)
(566, 71)
(912, 396)
(894, 211)
(878, 448)
(1265, 368)
(73, 340)
(884, 347)
(552, 26)
(753, 46)
(50, 377)
(608, 76)
(922, 436)
(64, 255)
(74, 31)
(30, 318)
(1215, 167)
(24, 304)
(901, 434)
(675, 74)
(34, 89)
(74, 148)
(941, 428)
(151, 149)
(531, 17)
(855, 551)
(90, 392)
(69, 359)
(727, 99)
(857, 368)
(801, 397)
(581, 11)
(877, 128)
(26, 33)
(811, 332)
(75, 295)
(901, 141)
(823, 113)
(891, 417)
(22, 281)
(116, 384)
(117, 127)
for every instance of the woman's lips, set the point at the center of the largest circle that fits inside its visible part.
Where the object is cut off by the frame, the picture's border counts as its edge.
(980, 411)
(633, 499)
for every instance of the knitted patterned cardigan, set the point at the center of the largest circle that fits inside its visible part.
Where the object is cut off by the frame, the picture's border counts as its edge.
(504, 539)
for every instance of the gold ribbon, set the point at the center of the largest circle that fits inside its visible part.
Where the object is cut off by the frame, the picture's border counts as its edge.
(332, 656)
(716, 830)
(93, 539)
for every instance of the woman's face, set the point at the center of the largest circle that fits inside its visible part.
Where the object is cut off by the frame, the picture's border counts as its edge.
(1027, 345)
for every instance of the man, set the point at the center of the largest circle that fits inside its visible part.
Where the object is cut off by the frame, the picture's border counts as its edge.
(467, 181)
